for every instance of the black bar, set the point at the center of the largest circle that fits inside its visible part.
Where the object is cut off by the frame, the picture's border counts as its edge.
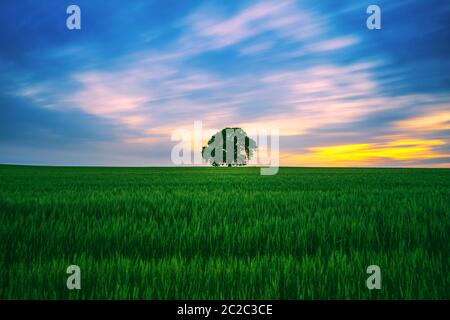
(218, 309)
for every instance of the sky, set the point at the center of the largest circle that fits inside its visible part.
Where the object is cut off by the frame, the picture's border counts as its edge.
(114, 92)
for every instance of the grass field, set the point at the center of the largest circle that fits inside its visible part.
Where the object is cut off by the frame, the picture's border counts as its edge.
(224, 233)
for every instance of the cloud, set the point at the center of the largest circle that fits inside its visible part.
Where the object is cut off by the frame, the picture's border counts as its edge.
(333, 44)
(23, 123)
(432, 121)
(256, 48)
(210, 30)
(316, 97)
(370, 154)
(301, 68)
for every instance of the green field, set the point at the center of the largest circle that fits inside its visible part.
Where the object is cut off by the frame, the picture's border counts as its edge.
(224, 233)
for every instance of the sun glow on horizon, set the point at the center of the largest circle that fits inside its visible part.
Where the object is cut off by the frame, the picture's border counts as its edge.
(368, 154)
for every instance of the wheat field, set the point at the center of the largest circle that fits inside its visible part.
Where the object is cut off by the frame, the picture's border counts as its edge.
(223, 233)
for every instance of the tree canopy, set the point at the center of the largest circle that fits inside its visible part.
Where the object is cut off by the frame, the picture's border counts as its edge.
(230, 147)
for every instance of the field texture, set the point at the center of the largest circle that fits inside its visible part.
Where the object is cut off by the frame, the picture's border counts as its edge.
(224, 233)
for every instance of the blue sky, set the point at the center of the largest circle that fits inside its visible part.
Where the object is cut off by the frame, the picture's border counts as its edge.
(113, 92)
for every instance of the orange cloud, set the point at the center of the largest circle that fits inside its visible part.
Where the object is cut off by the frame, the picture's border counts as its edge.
(430, 122)
(366, 154)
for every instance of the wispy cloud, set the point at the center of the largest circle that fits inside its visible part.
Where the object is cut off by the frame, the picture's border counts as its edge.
(403, 152)
(307, 70)
(333, 44)
(210, 29)
(432, 121)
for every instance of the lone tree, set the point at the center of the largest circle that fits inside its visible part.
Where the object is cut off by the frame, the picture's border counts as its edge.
(229, 147)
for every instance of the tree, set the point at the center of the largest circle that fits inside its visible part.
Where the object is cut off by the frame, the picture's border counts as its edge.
(230, 146)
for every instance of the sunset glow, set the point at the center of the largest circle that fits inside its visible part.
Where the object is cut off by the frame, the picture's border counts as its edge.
(114, 92)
